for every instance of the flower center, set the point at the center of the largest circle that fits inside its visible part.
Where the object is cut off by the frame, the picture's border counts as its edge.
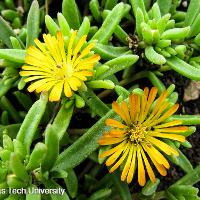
(69, 70)
(63, 70)
(137, 134)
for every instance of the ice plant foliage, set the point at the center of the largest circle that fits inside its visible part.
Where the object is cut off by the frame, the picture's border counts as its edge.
(53, 69)
(138, 139)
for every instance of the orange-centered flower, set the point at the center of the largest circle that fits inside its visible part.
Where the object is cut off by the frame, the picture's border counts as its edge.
(53, 69)
(138, 139)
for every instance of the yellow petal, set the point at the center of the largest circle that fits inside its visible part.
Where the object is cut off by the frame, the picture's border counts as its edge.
(117, 109)
(152, 119)
(56, 92)
(37, 84)
(46, 86)
(108, 141)
(70, 45)
(132, 167)
(86, 63)
(114, 156)
(67, 90)
(138, 103)
(40, 46)
(167, 114)
(78, 47)
(177, 129)
(32, 78)
(80, 76)
(50, 42)
(33, 73)
(163, 146)
(161, 169)
(34, 68)
(151, 98)
(113, 150)
(124, 109)
(85, 73)
(119, 162)
(160, 101)
(115, 123)
(148, 167)
(143, 104)
(92, 59)
(36, 61)
(61, 45)
(128, 164)
(132, 103)
(87, 50)
(82, 66)
(154, 153)
(168, 124)
(74, 83)
(117, 133)
(179, 138)
(141, 171)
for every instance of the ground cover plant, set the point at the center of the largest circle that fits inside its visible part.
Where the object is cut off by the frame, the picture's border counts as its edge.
(99, 99)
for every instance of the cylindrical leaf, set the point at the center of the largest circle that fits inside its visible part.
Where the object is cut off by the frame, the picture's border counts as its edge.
(31, 121)
(33, 22)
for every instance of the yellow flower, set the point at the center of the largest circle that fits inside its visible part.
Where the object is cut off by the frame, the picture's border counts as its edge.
(138, 140)
(51, 68)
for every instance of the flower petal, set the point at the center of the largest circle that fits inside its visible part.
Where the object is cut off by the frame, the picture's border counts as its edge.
(115, 123)
(163, 146)
(113, 150)
(119, 162)
(141, 171)
(132, 167)
(67, 90)
(56, 91)
(179, 138)
(128, 164)
(168, 124)
(117, 109)
(108, 141)
(148, 167)
(154, 153)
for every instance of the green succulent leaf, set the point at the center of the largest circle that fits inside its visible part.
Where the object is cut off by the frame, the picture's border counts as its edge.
(71, 13)
(16, 55)
(184, 68)
(109, 25)
(33, 22)
(153, 56)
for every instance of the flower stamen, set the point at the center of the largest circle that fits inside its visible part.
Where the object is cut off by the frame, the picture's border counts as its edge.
(137, 134)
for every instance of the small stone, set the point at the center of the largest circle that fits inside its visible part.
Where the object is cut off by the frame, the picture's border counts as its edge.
(192, 92)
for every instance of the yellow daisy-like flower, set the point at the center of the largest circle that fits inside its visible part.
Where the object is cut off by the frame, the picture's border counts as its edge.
(51, 68)
(138, 140)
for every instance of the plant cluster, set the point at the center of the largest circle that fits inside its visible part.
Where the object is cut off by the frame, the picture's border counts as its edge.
(74, 95)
